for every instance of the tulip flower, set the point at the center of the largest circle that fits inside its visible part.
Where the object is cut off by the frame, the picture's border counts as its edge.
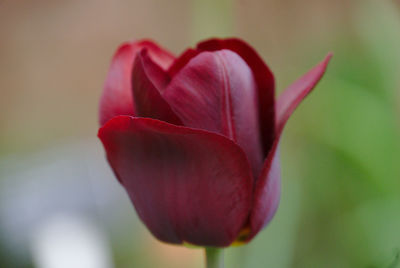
(194, 139)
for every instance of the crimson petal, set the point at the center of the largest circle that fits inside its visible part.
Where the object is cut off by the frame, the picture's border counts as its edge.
(148, 82)
(117, 94)
(186, 185)
(264, 79)
(216, 91)
(267, 188)
(267, 193)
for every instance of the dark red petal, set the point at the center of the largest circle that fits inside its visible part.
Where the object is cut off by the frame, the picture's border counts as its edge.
(182, 60)
(264, 79)
(186, 185)
(117, 94)
(295, 93)
(216, 91)
(267, 193)
(148, 81)
(267, 188)
(159, 55)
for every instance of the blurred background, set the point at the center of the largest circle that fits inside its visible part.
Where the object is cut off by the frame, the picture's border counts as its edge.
(60, 205)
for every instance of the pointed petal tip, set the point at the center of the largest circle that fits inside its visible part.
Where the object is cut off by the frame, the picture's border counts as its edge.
(323, 65)
(296, 92)
(328, 58)
(326, 61)
(267, 195)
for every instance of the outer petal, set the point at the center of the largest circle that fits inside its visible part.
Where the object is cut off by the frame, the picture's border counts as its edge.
(216, 91)
(117, 94)
(295, 93)
(148, 81)
(264, 79)
(267, 190)
(186, 185)
(267, 193)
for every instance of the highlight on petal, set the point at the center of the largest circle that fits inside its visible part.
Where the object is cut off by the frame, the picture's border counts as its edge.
(148, 82)
(264, 79)
(177, 194)
(262, 74)
(216, 91)
(117, 93)
(295, 93)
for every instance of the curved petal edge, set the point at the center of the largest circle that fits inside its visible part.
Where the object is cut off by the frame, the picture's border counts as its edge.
(268, 186)
(117, 97)
(267, 193)
(296, 92)
(264, 78)
(187, 185)
(148, 82)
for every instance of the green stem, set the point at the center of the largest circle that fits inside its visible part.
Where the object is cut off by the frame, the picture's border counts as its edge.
(214, 257)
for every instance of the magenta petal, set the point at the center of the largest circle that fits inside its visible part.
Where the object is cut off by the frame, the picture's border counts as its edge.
(117, 94)
(264, 79)
(295, 93)
(148, 81)
(186, 185)
(267, 188)
(216, 91)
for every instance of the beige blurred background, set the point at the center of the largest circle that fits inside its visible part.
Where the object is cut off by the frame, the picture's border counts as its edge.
(55, 54)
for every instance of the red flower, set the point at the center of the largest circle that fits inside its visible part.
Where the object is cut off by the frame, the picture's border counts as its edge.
(194, 139)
